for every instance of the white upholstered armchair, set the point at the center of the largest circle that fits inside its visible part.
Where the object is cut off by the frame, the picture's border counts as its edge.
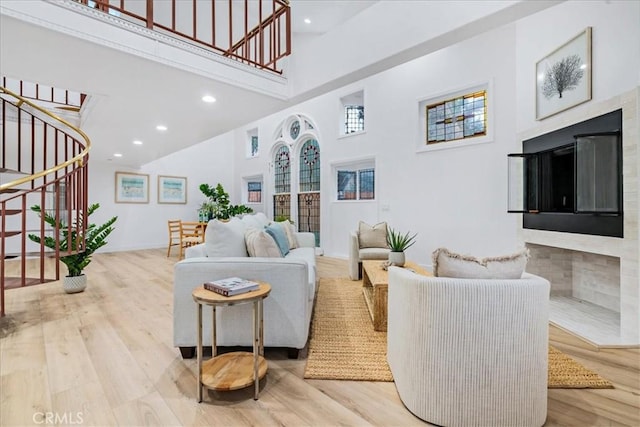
(366, 243)
(470, 352)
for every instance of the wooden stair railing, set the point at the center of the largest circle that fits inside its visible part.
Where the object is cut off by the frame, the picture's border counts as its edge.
(47, 158)
(253, 43)
(216, 24)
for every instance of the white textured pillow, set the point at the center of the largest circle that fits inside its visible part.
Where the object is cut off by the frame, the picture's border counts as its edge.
(372, 236)
(261, 244)
(290, 231)
(225, 239)
(450, 264)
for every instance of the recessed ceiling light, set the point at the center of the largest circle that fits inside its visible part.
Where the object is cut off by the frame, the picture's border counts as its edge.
(307, 21)
(161, 128)
(117, 155)
(137, 142)
(208, 98)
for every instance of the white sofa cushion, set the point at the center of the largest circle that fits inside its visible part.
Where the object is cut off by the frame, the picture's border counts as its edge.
(372, 236)
(450, 264)
(374, 253)
(258, 220)
(260, 244)
(225, 239)
(309, 256)
(290, 231)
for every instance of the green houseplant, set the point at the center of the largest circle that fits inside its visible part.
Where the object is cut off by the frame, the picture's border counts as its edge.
(398, 243)
(94, 238)
(218, 205)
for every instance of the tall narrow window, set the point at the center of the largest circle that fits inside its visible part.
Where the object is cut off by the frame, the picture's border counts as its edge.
(254, 191)
(253, 145)
(282, 184)
(310, 166)
(352, 113)
(282, 170)
(347, 185)
(309, 193)
(366, 184)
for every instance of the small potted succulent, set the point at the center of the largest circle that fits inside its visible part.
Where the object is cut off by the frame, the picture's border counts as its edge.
(398, 243)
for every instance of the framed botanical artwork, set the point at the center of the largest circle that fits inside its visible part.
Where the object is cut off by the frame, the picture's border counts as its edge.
(132, 187)
(563, 77)
(172, 189)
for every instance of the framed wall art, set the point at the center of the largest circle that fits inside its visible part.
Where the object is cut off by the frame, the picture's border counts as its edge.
(132, 187)
(563, 77)
(172, 189)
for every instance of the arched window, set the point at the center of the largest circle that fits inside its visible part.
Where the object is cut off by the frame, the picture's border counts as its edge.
(296, 173)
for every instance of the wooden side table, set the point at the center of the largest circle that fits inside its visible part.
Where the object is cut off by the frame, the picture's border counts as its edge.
(239, 369)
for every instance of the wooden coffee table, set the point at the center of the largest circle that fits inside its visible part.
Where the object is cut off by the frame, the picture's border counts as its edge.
(375, 287)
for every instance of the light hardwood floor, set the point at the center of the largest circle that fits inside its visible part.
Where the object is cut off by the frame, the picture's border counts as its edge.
(105, 357)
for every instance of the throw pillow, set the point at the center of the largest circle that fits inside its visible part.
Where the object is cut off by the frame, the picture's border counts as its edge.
(225, 239)
(261, 244)
(450, 264)
(372, 236)
(290, 231)
(276, 231)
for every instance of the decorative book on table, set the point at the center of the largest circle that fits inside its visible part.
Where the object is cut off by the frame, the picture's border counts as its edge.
(231, 286)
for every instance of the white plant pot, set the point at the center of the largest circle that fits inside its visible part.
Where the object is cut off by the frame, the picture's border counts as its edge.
(74, 284)
(396, 258)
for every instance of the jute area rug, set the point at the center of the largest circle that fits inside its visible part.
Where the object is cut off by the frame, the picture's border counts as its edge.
(344, 346)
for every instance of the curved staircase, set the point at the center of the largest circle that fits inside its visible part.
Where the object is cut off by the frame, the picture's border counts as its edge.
(43, 161)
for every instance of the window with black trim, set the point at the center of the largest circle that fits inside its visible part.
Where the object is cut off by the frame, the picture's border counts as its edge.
(353, 113)
(353, 118)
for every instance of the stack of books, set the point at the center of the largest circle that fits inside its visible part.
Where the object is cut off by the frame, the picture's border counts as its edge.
(231, 286)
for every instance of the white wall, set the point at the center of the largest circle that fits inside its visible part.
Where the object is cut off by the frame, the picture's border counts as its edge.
(453, 197)
(142, 226)
(615, 50)
(359, 42)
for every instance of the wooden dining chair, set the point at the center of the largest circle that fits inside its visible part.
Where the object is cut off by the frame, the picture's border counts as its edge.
(191, 234)
(174, 234)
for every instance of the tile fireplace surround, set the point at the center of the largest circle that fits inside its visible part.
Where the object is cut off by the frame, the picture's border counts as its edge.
(595, 288)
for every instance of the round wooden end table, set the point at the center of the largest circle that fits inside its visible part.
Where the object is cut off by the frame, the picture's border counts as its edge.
(239, 369)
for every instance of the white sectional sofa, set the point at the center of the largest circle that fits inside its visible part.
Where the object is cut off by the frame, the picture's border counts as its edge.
(287, 309)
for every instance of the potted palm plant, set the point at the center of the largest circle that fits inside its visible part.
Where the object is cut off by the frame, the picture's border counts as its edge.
(398, 243)
(93, 239)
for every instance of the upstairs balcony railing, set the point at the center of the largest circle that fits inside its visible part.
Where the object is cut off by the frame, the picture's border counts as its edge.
(61, 98)
(254, 32)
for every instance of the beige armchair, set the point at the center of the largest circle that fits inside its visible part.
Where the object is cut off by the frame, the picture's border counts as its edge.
(469, 352)
(372, 247)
